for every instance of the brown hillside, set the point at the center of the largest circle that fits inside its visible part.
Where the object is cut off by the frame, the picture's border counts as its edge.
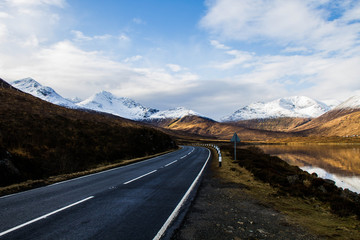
(44, 139)
(284, 124)
(210, 128)
(333, 123)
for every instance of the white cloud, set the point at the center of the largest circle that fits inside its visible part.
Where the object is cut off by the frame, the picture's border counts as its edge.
(138, 21)
(79, 36)
(4, 15)
(239, 57)
(124, 37)
(218, 45)
(133, 59)
(174, 67)
(3, 32)
(75, 72)
(26, 3)
(71, 70)
(302, 23)
(295, 50)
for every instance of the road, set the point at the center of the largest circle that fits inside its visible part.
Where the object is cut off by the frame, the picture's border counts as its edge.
(137, 201)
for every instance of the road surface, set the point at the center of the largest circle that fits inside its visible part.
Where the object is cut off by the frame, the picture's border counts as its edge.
(137, 201)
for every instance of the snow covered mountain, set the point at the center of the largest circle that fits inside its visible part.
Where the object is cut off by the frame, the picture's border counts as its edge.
(48, 94)
(174, 113)
(101, 102)
(295, 106)
(351, 103)
(120, 106)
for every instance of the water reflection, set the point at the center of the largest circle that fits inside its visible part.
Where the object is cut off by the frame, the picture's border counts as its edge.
(340, 163)
(351, 183)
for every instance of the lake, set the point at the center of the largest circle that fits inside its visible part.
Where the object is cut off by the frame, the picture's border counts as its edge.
(340, 163)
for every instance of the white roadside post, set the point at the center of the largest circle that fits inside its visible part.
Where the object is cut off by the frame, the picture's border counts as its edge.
(220, 160)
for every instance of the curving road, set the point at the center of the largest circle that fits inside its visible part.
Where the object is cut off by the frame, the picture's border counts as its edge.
(138, 201)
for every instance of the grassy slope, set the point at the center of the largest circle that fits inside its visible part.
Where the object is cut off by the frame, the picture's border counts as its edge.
(333, 123)
(273, 124)
(45, 139)
(209, 128)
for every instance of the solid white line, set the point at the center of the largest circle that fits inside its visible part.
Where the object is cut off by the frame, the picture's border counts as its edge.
(140, 177)
(181, 203)
(171, 163)
(44, 216)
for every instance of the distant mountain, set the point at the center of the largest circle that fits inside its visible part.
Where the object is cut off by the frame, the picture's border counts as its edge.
(296, 106)
(174, 113)
(48, 94)
(120, 106)
(343, 120)
(102, 102)
(351, 103)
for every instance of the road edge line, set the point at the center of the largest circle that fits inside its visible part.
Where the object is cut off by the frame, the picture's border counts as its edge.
(181, 203)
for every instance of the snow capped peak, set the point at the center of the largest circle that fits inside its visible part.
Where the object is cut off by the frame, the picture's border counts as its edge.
(173, 113)
(48, 94)
(28, 82)
(295, 106)
(121, 106)
(351, 103)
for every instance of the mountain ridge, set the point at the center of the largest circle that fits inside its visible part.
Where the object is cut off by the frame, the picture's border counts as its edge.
(48, 94)
(102, 101)
(295, 106)
(263, 123)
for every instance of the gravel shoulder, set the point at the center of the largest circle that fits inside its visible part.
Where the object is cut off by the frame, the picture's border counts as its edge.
(224, 209)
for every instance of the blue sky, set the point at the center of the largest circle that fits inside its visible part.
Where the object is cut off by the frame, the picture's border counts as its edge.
(211, 56)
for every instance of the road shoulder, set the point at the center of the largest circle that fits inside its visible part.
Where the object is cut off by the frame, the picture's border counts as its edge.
(224, 209)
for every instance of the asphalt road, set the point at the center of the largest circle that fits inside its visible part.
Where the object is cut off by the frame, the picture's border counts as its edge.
(137, 201)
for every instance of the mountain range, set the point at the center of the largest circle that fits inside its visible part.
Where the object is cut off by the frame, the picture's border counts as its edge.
(48, 94)
(294, 107)
(101, 102)
(281, 118)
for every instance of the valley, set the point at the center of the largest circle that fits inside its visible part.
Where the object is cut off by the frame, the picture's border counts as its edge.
(43, 139)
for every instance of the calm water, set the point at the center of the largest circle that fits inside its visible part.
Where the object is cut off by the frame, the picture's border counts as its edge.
(340, 163)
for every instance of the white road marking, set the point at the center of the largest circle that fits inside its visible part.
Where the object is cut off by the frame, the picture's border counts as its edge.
(183, 157)
(140, 177)
(44, 216)
(93, 174)
(171, 163)
(181, 203)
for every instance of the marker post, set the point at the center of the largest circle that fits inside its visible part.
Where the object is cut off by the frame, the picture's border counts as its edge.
(235, 139)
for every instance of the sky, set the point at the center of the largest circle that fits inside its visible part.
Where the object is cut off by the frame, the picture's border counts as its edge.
(212, 56)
